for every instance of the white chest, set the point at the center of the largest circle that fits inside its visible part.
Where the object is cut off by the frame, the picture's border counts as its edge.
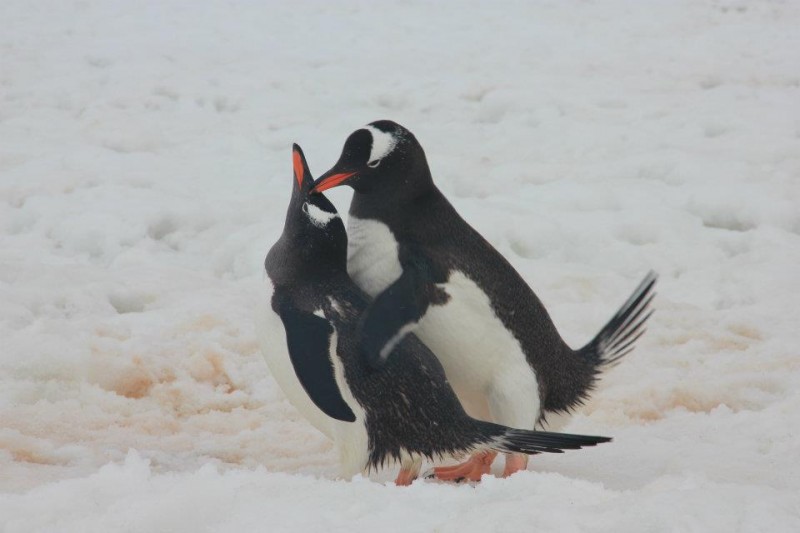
(372, 251)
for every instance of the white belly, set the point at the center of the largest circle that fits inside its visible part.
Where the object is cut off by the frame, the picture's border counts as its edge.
(484, 363)
(350, 438)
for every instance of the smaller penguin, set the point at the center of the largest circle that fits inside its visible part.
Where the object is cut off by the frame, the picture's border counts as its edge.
(401, 415)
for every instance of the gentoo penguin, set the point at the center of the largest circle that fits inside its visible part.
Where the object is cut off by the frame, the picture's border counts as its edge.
(431, 273)
(404, 414)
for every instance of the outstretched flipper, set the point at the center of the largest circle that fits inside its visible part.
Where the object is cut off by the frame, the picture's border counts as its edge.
(308, 339)
(396, 311)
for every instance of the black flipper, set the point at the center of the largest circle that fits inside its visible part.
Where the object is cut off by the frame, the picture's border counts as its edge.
(308, 339)
(396, 311)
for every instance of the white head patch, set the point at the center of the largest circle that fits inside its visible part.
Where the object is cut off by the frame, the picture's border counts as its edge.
(382, 144)
(317, 216)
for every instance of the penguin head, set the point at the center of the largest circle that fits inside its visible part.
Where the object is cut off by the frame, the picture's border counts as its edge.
(378, 157)
(313, 229)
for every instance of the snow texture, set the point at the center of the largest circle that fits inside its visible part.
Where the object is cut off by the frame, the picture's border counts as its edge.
(145, 167)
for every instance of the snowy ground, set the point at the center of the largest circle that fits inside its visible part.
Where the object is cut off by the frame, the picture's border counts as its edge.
(144, 170)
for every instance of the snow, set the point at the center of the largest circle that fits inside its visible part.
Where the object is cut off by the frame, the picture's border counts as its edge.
(145, 166)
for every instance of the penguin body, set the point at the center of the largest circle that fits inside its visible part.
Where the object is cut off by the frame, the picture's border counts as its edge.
(465, 333)
(403, 414)
(433, 274)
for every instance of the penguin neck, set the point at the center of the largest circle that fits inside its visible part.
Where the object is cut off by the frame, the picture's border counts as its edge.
(302, 255)
(392, 208)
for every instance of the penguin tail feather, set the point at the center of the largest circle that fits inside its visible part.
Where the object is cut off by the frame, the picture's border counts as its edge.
(533, 442)
(618, 336)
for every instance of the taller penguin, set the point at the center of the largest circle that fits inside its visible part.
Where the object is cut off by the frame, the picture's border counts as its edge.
(431, 273)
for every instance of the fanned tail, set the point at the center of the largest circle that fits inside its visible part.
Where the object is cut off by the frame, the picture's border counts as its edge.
(532, 442)
(617, 338)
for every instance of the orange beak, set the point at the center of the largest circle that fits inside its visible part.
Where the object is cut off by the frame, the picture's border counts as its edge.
(297, 162)
(332, 181)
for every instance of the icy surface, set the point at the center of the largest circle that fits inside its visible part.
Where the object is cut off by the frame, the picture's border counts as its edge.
(145, 166)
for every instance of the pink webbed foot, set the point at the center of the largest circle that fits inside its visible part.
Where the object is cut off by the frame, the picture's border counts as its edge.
(472, 469)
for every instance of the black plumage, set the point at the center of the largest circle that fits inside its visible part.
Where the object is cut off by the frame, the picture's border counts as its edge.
(409, 410)
(434, 242)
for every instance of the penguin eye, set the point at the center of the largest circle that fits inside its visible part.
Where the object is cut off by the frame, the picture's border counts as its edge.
(373, 164)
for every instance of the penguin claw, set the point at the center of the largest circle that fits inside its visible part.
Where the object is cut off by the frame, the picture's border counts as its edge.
(430, 475)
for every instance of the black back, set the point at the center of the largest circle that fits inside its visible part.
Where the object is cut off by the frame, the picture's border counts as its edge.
(400, 193)
(449, 244)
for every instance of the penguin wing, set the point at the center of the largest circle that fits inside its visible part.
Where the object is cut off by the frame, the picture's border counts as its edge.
(308, 339)
(397, 310)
